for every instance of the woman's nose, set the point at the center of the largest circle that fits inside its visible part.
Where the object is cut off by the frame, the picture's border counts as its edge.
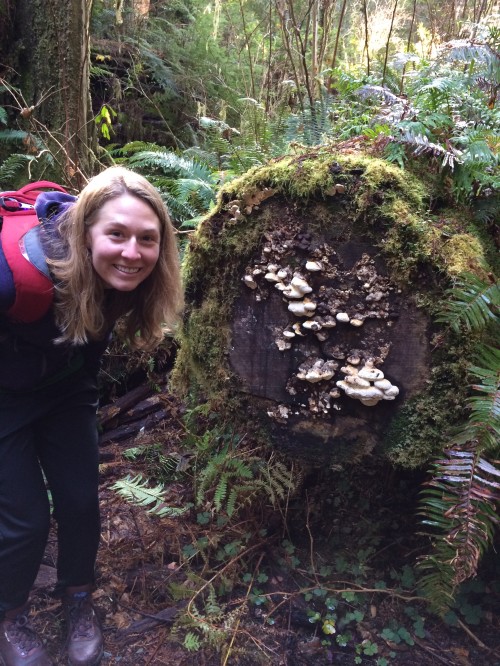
(131, 249)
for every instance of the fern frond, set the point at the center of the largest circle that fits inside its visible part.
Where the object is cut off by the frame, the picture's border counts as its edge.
(484, 419)
(420, 144)
(11, 135)
(460, 503)
(231, 502)
(136, 491)
(192, 642)
(12, 167)
(472, 302)
(220, 492)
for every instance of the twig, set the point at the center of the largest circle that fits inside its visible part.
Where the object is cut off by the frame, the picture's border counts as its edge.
(158, 646)
(434, 654)
(311, 540)
(477, 640)
(235, 630)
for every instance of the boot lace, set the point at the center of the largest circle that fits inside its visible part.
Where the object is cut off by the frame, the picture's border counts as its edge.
(81, 615)
(22, 635)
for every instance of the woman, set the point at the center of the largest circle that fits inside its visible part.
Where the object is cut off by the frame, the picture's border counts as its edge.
(112, 257)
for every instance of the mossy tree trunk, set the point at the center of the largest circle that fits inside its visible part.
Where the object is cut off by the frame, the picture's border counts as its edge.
(310, 293)
(49, 55)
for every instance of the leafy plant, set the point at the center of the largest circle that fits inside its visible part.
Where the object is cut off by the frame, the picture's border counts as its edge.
(460, 500)
(138, 491)
(230, 478)
(187, 185)
(452, 115)
(472, 303)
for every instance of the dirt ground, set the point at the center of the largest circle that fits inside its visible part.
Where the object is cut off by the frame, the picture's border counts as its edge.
(361, 525)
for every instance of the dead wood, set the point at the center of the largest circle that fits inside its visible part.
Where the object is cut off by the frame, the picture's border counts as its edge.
(166, 616)
(129, 430)
(141, 409)
(125, 402)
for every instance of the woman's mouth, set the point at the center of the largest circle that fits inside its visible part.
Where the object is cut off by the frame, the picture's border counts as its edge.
(126, 269)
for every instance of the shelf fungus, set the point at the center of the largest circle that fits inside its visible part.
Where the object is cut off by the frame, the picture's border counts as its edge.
(283, 344)
(271, 277)
(367, 384)
(250, 282)
(302, 308)
(316, 370)
(312, 325)
(314, 266)
(297, 288)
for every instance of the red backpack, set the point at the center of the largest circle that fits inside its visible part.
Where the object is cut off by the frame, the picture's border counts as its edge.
(26, 289)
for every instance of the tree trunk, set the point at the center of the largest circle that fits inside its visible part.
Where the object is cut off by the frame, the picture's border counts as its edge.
(52, 42)
(304, 310)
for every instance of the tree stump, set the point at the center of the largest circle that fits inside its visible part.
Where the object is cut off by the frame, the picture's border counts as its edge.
(310, 292)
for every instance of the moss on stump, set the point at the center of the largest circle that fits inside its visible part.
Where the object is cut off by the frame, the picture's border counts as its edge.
(310, 298)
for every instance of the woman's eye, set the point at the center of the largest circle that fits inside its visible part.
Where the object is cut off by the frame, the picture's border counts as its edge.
(116, 234)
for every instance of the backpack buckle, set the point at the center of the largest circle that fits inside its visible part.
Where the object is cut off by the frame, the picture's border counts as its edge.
(13, 205)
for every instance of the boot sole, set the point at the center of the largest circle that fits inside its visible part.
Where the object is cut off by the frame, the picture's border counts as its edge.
(94, 663)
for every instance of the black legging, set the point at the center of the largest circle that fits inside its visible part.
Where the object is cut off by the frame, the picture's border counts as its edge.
(53, 429)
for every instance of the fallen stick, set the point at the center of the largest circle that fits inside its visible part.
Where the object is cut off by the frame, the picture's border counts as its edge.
(165, 616)
(129, 430)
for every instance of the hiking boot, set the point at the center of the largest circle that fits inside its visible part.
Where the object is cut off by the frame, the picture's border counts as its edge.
(85, 642)
(19, 644)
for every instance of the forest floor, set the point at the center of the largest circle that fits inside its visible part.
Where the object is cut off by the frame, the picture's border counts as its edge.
(343, 554)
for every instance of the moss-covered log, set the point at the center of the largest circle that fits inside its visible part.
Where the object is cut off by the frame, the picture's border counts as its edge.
(310, 295)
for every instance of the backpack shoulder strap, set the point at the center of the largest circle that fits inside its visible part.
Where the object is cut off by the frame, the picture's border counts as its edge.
(26, 289)
(33, 288)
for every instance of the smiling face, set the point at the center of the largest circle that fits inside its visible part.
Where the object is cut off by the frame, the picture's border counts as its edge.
(124, 241)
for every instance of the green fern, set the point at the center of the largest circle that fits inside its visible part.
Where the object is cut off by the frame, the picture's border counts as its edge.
(137, 491)
(188, 186)
(231, 478)
(220, 492)
(11, 168)
(472, 303)
(192, 642)
(460, 501)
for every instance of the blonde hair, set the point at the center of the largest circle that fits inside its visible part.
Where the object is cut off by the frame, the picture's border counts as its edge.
(84, 309)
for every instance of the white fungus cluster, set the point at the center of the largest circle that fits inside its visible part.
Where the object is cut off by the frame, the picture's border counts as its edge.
(320, 296)
(368, 384)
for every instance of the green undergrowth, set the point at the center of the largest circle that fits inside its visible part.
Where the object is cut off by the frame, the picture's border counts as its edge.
(266, 549)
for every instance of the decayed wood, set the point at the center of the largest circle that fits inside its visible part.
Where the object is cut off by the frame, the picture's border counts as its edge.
(129, 430)
(165, 616)
(142, 409)
(324, 332)
(272, 353)
(113, 410)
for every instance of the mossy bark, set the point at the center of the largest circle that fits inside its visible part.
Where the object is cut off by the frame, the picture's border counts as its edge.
(382, 265)
(49, 51)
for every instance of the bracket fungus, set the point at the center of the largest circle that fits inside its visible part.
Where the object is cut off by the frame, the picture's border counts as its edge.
(316, 370)
(302, 308)
(314, 266)
(297, 288)
(368, 384)
(249, 281)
